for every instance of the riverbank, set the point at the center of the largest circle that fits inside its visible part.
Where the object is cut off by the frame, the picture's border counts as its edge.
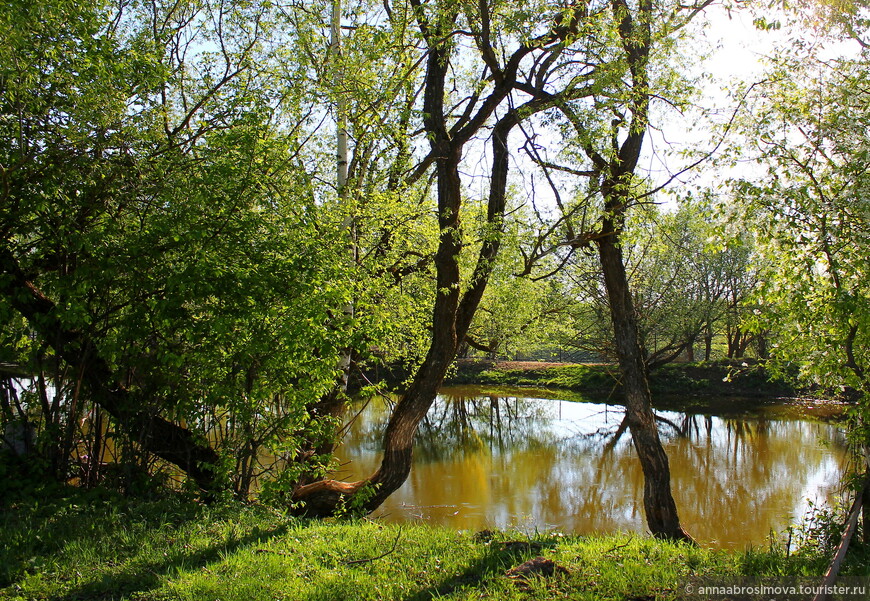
(725, 378)
(90, 546)
(724, 387)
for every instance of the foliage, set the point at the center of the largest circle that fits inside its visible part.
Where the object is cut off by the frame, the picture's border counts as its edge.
(849, 19)
(810, 207)
(171, 232)
(594, 378)
(518, 314)
(156, 208)
(721, 379)
(691, 283)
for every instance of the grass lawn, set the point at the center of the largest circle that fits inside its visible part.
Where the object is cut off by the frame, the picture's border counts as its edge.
(101, 546)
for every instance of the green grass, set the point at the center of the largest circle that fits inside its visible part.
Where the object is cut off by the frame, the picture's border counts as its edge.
(724, 378)
(106, 547)
(566, 377)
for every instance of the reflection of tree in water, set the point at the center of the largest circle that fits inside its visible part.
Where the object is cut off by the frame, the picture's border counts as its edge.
(499, 424)
(473, 424)
(573, 466)
(741, 473)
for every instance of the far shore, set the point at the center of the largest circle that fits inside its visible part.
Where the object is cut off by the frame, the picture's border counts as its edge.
(718, 387)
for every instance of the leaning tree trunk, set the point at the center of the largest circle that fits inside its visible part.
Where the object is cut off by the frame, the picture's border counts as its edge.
(158, 436)
(322, 498)
(451, 317)
(617, 172)
(453, 309)
(661, 511)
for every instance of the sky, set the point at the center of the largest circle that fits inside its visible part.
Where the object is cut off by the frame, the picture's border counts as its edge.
(730, 49)
(736, 52)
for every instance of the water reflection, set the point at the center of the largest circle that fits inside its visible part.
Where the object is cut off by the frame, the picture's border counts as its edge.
(484, 461)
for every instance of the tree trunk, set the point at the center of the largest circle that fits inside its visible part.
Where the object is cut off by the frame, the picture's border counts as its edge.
(761, 345)
(451, 316)
(158, 436)
(729, 337)
(708, 342)
(661, 511)
(865, 514)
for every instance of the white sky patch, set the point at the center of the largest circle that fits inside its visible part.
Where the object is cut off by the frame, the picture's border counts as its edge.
(731, 51)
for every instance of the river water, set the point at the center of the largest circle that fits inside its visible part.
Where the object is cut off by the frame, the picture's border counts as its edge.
(497, 460)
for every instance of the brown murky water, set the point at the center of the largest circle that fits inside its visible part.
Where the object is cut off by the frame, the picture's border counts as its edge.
(497, 461)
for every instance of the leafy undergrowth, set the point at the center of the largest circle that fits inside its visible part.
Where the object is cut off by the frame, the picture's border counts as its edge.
(92, 547)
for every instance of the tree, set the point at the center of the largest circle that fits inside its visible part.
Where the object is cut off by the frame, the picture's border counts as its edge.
(149, 184)
(439, 29)
(810, 204)
(573, 60)
(691, 283)
(606, 138)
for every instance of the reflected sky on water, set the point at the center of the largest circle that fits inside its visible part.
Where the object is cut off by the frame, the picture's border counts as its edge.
(499, 461)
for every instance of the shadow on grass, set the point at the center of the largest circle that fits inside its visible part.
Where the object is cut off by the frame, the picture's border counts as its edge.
(147, 576)
(37, 528)
(493, 563)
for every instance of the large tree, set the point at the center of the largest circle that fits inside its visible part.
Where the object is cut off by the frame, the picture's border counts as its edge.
(605, 137)
(150, 182)
(491, 69)
(452, 122)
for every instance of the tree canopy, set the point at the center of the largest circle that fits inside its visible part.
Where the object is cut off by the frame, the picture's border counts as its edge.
(213, 212)
(809, 204)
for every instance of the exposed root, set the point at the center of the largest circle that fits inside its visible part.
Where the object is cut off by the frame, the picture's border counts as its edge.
(346, 488)
(324, 497)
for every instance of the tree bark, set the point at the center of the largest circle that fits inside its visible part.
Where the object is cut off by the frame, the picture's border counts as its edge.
(865, 514)
(617, 173)
(659, 506)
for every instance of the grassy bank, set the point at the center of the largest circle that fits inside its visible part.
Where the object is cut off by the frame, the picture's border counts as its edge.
(732, 379)
(91, 547)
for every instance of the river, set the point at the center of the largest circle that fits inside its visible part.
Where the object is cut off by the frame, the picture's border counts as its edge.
(488, 459)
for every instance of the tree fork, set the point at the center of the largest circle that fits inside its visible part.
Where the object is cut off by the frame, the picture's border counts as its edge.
(451, 320)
